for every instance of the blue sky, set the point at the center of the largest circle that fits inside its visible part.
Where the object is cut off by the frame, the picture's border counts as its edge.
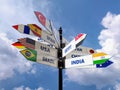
(99, 19)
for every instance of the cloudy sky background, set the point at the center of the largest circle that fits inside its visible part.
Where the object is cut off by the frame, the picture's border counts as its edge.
(99, 19)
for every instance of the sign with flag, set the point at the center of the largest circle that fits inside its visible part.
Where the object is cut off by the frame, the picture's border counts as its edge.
(42, 19)
(43, 34)
(104, 65)
(79, 61)
(95, 60)
(80, 51)
(38, 46)
(40, 57)
(33, 29)
(73, 44)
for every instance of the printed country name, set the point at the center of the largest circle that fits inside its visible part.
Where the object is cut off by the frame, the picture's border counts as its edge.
(68, 48)
(48, 60)
(45, 49)
(73, 56)
(78, 49)
(77, 61)
(50, 39)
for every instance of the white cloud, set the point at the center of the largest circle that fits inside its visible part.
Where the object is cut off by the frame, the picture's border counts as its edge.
(109, 39)
(117, 86)
(10, 59)
(14, 12)
(21, 88)
(27, 88)
(40, 88)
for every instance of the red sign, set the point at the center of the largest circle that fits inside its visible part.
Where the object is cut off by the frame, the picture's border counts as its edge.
(41, 18)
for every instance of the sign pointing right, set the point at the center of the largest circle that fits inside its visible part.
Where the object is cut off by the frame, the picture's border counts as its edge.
(74, 44)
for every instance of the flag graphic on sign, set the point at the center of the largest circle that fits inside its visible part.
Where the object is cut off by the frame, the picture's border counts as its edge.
(100, 58)
(29, 54)
(22, 28)
(45, 22)
(35, 29)
(18, 45)
(27, 42)
(41, 18)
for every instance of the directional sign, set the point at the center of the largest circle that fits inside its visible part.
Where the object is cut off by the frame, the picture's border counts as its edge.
(106, 64)
(79, 61)
(42, 19)
(39, 57)
(43, 34)
(48, 25)
(33, 29)
(80, 51)
(73, 44)
(38, 46)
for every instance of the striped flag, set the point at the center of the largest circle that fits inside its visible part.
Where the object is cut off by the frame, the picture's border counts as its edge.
(22, 28)
(29, 54)
(27, 42)
(100, 58)
(35, 29)
(18, 45)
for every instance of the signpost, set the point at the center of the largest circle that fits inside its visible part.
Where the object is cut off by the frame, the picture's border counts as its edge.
(62, 54)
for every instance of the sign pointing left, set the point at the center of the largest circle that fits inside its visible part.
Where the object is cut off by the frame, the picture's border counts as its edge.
(42, 19)
(33, 29)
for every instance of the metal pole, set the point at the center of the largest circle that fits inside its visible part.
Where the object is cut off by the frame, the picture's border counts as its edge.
(60, 64)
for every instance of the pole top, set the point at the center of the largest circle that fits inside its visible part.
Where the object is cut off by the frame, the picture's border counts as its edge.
(60, 28)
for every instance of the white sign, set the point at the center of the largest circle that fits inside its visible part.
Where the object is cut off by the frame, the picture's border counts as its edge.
(73, 44)
(79, 61)
(80, 51)
(49, 38)
(38, 46)
(45, 35)
(46, 59)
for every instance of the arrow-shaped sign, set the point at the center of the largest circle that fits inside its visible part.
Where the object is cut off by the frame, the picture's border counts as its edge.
(33, 29)
(80, 51)
(106, 64)
(38, 46)
(73, 44)
(79, 61)
(39, 57)
(88, 60)
(48, 25)
(42, 19)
